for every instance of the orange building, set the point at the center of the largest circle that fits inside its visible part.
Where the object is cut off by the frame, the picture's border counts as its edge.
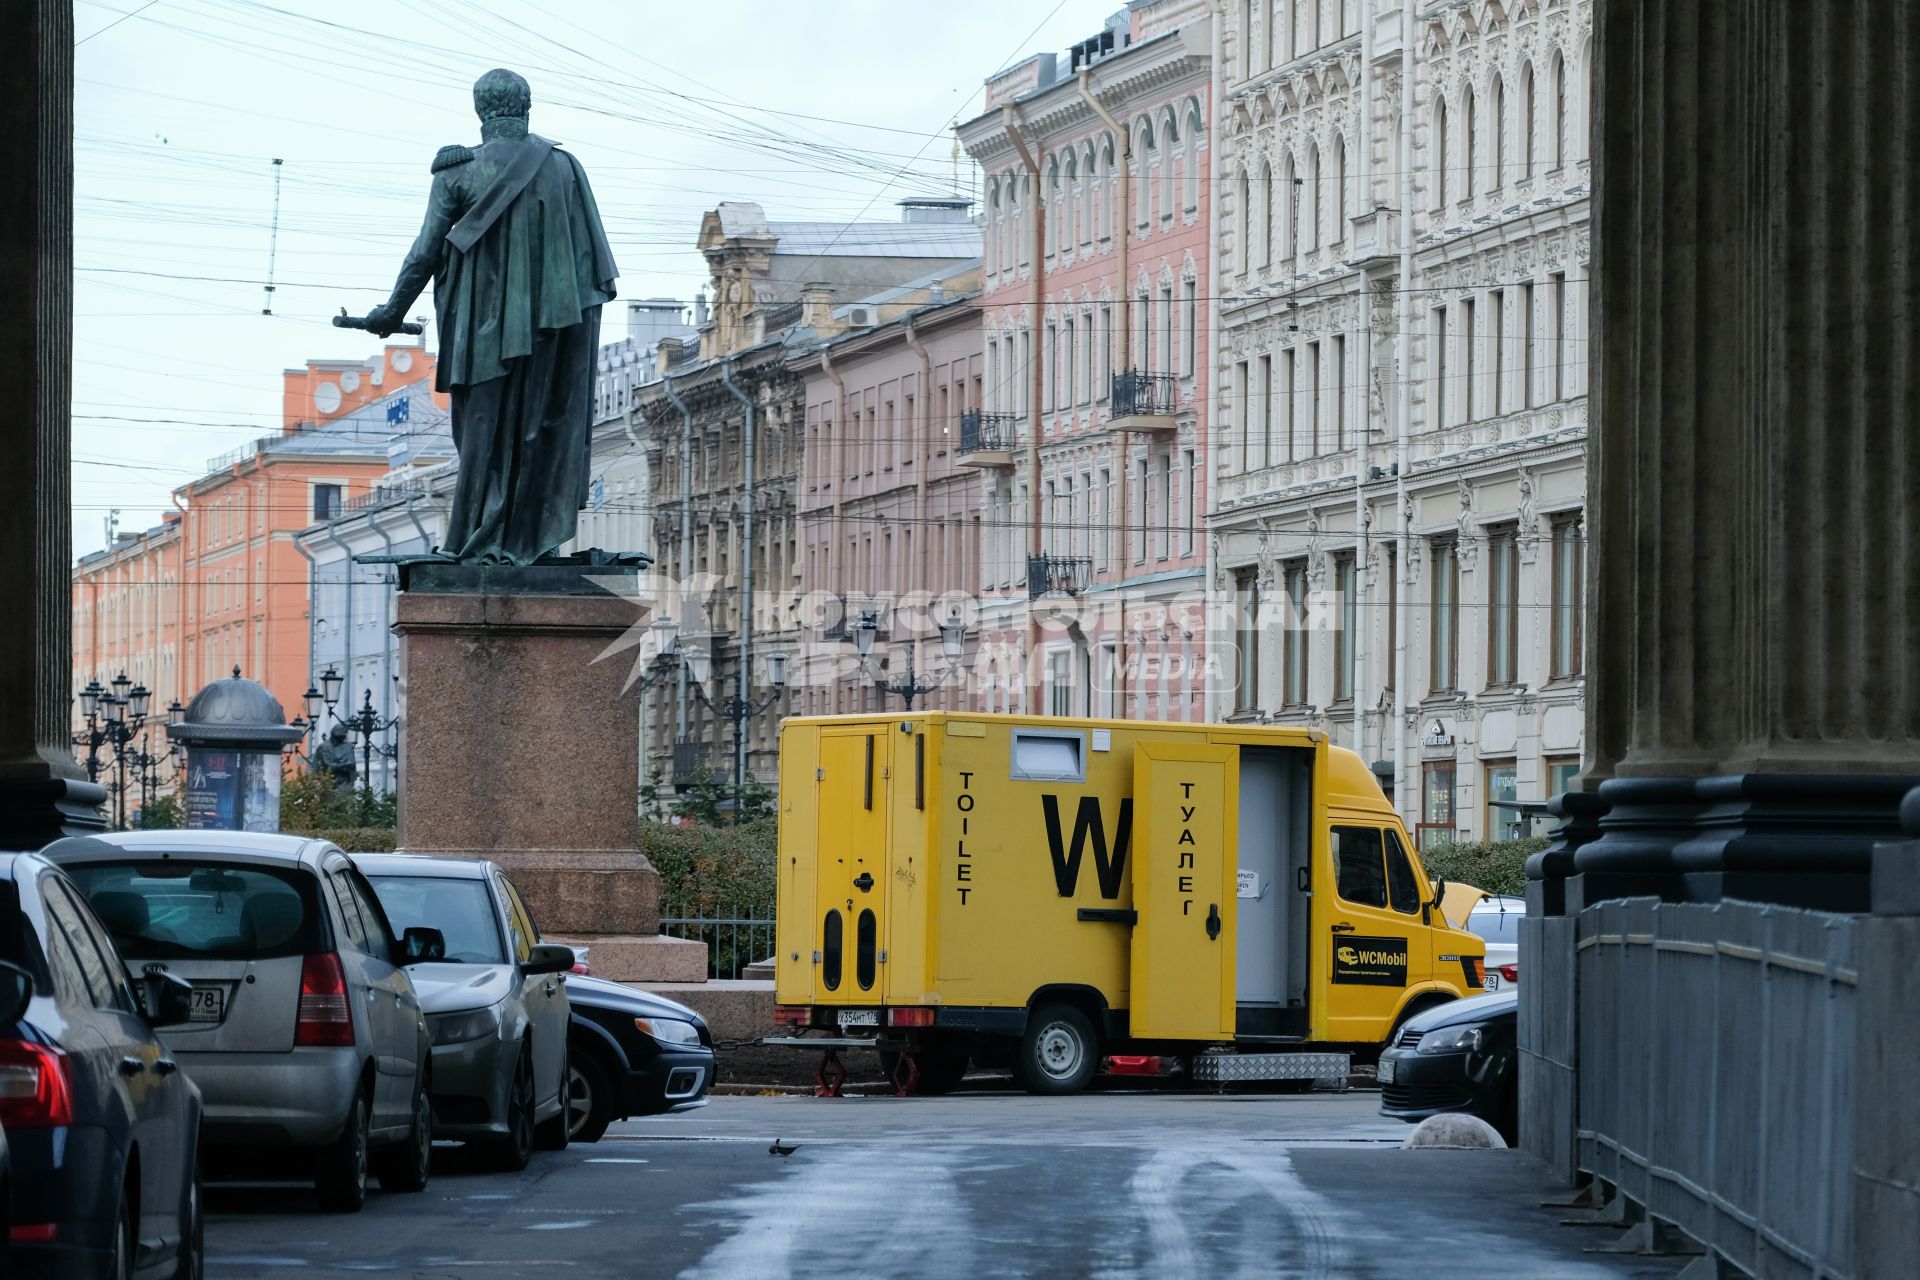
(220, 583)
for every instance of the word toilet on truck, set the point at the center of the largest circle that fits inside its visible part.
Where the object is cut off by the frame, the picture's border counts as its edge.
(1045, 893)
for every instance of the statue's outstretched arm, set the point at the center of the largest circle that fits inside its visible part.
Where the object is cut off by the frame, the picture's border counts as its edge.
(424, 258)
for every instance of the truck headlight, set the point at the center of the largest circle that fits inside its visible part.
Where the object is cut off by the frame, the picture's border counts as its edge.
(468, 1024)
(1452, 1040)
(669, 1031)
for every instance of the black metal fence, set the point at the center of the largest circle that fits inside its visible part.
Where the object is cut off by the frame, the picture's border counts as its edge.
(735, 938)
(1064, 575)
(982, 432)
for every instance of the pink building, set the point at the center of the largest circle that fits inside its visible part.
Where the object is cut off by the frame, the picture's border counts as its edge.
(889, 524)
(1093, 444)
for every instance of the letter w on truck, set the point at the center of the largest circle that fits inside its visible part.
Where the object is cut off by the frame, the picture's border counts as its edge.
(1043, 893)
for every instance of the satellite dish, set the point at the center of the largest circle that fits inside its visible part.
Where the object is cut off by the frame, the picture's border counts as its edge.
(402, 362)
(326, 397)
(349, 381)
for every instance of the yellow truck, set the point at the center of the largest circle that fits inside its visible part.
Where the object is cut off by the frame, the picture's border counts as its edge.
(1045, 893)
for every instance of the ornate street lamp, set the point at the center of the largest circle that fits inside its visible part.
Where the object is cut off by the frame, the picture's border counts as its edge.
(733, 707)
(953, 644)
(137, 701)
(330, 681)
(120, 686)
(90, 699)
(175, 712)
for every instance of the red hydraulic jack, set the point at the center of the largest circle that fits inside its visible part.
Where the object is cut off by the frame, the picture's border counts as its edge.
(830, 1075)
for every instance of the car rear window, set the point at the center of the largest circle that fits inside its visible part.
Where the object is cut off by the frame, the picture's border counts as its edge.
(1496, 925)
(462, 910)
(182, 909)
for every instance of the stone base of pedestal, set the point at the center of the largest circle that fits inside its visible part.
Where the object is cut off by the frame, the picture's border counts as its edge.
(519, 742)
(640, 957)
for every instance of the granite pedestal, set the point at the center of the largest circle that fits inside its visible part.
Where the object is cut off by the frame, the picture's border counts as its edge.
(519, 743)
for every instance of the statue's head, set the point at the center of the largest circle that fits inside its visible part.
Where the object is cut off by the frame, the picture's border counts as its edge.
(500, 93)
(337, 734)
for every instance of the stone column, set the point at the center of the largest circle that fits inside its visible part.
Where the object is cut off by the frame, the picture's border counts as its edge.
(1754, 699)
(1754, 682)
(43, 792)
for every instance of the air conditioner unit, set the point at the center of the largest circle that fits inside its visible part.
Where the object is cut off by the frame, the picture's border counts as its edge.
(862, 317)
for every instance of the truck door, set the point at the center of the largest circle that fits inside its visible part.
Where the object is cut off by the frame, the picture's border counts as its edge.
(1378, 946)
(851, 855)
(1186, 839)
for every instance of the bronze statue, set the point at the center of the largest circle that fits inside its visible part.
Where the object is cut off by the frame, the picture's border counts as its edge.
(520, 269)
(336, 757)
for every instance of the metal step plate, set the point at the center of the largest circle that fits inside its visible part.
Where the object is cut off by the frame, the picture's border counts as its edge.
(1225, 1067)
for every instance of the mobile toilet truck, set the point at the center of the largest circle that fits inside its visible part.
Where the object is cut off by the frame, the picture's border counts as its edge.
(1044, 893)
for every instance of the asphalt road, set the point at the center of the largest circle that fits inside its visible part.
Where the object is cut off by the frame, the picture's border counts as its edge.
(978, 1184)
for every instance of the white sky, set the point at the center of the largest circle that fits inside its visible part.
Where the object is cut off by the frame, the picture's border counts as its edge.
(181, 106)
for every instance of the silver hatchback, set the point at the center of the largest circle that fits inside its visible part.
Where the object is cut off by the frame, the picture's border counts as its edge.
(306, 1035)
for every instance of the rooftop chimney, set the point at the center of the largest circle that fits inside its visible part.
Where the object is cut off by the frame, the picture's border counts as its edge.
(935, 209)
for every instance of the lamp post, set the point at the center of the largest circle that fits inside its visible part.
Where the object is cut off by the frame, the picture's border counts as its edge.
(733, 707)
(116, 714)
(953, 644)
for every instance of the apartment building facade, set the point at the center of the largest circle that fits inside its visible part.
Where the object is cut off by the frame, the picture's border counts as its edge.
(1397, 533)
(889, 521)
(1095, 428)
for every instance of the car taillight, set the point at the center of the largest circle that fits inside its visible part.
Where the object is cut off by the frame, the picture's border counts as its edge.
(1510, 972)
(792, 1015)
(36, 1086)
(581, 969)
(910, 1017)
(325, 1021)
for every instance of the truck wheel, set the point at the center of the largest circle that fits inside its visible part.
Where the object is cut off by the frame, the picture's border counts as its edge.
(1058, 1052)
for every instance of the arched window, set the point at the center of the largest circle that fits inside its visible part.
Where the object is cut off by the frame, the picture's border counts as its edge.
(1559, 111)
(1072, 227)
(1022, 197)
(995, 215)
(1528, 132)
(1191, 200)
(1053, 207)
(1143, 159)
(1246, 38)
(1338, 178)
(1470, 124)
(1286, 203)
(1169, 151)
(1243, 210)
(1439, 158)
(1110, 177)
(1499, 132)
(1265, 203)
(1310, 201)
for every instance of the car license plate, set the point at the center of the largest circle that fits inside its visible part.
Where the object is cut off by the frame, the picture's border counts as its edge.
(859, 1018)
(209, 1004)
(1491, 982)
(1385, 1072)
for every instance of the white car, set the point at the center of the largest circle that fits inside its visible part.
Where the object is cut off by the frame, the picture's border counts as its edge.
(1497, 920)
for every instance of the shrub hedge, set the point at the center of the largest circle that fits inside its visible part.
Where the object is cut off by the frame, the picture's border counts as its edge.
(1498, 866)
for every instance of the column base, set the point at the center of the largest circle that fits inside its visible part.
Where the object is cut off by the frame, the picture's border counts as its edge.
(1803, 840)
(35, 811)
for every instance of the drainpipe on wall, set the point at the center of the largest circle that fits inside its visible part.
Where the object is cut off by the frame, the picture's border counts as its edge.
(743, 687)
(1362, 454)
(686, 540)
(1403, 348)
(312, 612)
(1117, 359)
(836, 482)
(388, 643)
(925, 461)
(1009, 118)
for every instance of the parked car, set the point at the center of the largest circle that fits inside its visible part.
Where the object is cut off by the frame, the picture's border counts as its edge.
(1496, 919)
(631, 1053)
(305, 1034)
(496, 1003)
(1459, 1056)
(103, 1128)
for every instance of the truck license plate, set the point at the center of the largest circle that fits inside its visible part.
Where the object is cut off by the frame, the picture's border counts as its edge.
(859, 1018)
(209, 1003)
(1385, 1072)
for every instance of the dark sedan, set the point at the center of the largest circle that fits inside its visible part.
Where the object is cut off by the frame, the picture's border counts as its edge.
(1457, 1057)
(631, 1053)
(103, 1128)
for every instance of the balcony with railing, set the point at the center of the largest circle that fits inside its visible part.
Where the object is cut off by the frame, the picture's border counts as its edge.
(690, 762)
(1058, 575)
(1143, 401)
(986, 439)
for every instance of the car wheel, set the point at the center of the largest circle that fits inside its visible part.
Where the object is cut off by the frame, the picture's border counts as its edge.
(406, 1166)
(119, 1263)
(193, 1236)
(589, 1097)
(553, 1133)
(340, 1178)
(1058, 1051)
(512, 1152)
